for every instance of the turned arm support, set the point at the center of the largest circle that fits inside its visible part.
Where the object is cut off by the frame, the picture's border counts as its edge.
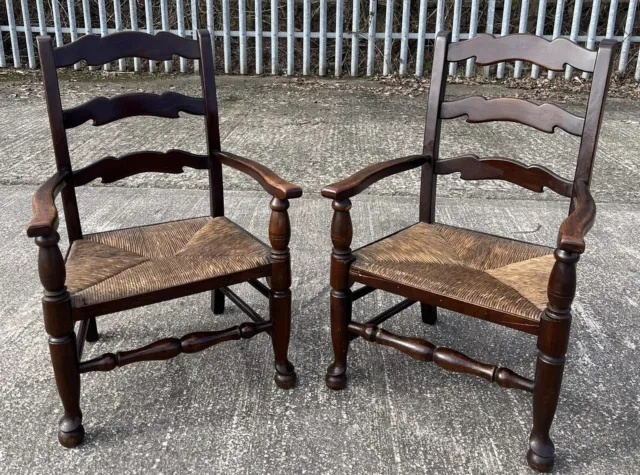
(45, 213)
(360, 181)
(272, 183)
(576, 226)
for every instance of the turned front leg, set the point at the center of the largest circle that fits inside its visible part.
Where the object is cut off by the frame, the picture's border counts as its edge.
(341, 258)
(553, 340)
(62, 338)
(280, 294)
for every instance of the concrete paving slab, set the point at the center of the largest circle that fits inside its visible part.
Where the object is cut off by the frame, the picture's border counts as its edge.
(219, 412)
(312, 135)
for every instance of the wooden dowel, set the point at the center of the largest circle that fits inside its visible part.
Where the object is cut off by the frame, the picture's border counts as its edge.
(242, 305)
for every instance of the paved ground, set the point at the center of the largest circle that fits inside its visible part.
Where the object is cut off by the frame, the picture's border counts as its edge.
(219, 411)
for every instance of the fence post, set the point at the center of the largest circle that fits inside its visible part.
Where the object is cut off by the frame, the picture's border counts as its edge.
(322, 60)
(504, 31)
(575, 29)
(557, 27)
(355, 38)
(274, 37)
(306, 38)
(31, 57)
(371, 45)
(593, 26)
(404, 38)
(258, 27)
(626, 41)
(473, 30)
(542, 14)
(422, 31)
(13, 33)
(290, 37)
(455, 32)
(491, 13)
(388, 31)
(522, 28)
(339, 29)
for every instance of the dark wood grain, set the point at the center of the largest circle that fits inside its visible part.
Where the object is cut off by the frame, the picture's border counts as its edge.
(172, 347)
(531, 177)
(45, 214)
(112, 169)
(446, 358)
(97, 50)
(102, 110)
(272, 183)
(576, 226)
(360, 181)
(553, 55)
(544, 117)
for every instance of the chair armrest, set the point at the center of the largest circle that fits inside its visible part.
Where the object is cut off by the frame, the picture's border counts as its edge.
(272, 183)
(360, 181)
(576, 226)
(45, 213)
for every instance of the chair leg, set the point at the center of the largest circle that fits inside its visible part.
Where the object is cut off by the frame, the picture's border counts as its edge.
(280, 310)
(341, 304)
(64, 358)
(341, 298)
(429, 313)
(280, 294)
(217, 302)
(59, 324)
(92, 331)
(553, 340)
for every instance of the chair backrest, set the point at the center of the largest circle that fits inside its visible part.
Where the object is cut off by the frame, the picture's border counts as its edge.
(487, 50)
(96, 50)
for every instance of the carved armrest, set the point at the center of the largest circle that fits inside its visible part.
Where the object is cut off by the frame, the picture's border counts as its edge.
(360, 181)
(45, 213)
(272, 183)
(576, 226)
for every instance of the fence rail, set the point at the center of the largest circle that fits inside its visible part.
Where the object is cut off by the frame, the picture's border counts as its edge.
(368, 36)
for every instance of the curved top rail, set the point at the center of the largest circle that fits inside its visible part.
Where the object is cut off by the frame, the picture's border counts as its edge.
(544, 117)
(102, 110)
(97, 50)
(552, 55)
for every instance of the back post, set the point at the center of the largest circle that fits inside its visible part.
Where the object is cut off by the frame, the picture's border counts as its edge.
(595, 111)
(58, 134)
(207, 76)
(431, 144)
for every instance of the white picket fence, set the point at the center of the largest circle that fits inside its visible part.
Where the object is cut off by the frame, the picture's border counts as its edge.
(112, 21)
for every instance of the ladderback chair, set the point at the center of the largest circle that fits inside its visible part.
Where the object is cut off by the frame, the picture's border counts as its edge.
(122, 269)
(520, 285)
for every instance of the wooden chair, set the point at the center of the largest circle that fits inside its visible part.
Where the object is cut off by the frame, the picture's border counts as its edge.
(492, 278)
(118, 270)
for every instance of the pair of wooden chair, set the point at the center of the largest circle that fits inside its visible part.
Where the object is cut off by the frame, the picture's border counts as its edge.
(520, 285)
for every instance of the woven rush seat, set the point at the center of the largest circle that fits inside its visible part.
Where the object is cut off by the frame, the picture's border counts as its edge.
(491, 272)
(123, 263)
